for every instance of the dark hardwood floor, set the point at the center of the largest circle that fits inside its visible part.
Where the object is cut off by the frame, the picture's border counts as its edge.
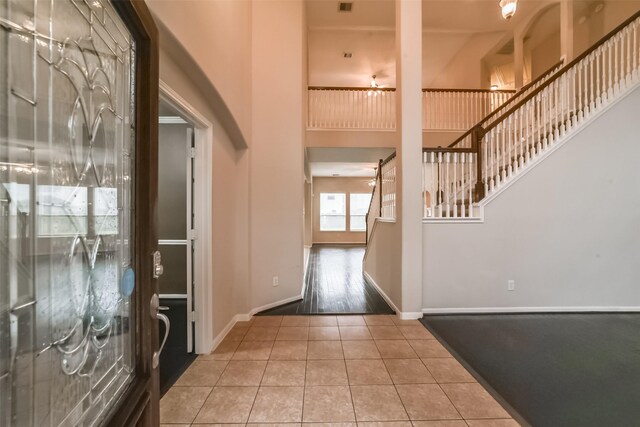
(335, 284)
(554, 370)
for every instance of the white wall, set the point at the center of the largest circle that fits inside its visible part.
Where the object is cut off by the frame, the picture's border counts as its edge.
(276, 152)
(567, 232)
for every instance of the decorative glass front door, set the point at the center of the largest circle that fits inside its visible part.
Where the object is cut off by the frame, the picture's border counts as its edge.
(67, 279)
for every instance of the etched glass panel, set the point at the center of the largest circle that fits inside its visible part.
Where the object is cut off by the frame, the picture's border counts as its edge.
(66, 206)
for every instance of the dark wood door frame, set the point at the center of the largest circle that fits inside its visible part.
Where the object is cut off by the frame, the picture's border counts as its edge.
(139, 405)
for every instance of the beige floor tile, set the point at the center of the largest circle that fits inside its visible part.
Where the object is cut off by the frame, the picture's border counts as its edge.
(237, 333)
(269, 425)
(427, 402)
(293, 333)
(429, 348)
(395, 349)
(176, 425)
(355, 333)
(330, 424)
(400, 322)
(326, 372)
(327, 404)
(245, 322)
(224, 351)
(385, 424)
(228, 405)
(202, 373)
(367, 372)
(212, 425)
(351, 320)
(267, 320)
(319, 350)
(295, 321)
(473, 401)
(379, 320)
(243, 373)
(408, 371)
(385, 333)
(181, 404)
(418, 332)
(360, 350)
(493, 423)
(448, 370)
(253, 350)
(377, 403)
(323, 321)
(324, 333)
(284, 373)
(289, 350)
(440, 423)
(277, 405)
(261, 333)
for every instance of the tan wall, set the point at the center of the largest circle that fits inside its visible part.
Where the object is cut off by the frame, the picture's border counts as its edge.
(217, 37)
(229, 203)
(337, 185)
(276, 150)
(383, 259)
(308, 214)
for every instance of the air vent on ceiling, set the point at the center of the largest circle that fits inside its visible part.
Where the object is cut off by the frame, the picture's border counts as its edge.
(347, 55)
(345, 6)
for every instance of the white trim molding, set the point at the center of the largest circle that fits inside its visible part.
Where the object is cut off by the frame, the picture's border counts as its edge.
(203, 188)
(403, 315)
(506, 310)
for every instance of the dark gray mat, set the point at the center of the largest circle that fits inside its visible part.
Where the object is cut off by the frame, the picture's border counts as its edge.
(557, 370)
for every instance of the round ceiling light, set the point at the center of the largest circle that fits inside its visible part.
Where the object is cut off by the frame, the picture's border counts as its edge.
(508, 8)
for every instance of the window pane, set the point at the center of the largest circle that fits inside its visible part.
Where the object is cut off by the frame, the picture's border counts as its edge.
(358, 223)
(333, 222)
(333, 203)
(359, 203)
(358, 208)
(333, 209)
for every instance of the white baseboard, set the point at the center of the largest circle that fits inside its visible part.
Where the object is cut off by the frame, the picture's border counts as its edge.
(274, 304)
(497, 310)
(403, 315)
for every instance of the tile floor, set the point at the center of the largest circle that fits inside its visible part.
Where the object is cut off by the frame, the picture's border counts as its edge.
(371, 371)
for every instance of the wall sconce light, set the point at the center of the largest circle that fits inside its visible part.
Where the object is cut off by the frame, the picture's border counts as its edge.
(494, 87)
(508, 8)
(374, 83)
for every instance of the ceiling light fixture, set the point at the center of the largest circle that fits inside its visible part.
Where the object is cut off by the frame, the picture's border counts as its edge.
(508, 8)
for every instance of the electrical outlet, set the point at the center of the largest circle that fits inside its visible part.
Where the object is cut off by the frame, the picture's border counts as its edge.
(275, 281)
(511, 285)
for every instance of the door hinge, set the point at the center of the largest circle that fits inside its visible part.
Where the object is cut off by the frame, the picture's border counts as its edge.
(193, 234)
(192, 152)
(193, 316)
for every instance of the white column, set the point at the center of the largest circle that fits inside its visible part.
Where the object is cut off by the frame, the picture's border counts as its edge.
(518, 59)
(566, 30)
(409, 176)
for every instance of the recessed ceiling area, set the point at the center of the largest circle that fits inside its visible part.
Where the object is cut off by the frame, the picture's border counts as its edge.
(346, 162)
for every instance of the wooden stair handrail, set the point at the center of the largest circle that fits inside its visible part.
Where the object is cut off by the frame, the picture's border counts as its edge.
(524, 88)
(563, 70)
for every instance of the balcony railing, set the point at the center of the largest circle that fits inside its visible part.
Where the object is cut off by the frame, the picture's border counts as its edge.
(355, 108)
(459, 109)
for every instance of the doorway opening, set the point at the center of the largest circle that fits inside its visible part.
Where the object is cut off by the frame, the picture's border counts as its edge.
(338, 187)
(184, 214)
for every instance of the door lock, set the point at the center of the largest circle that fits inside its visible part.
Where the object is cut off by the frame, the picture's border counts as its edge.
(158, 269)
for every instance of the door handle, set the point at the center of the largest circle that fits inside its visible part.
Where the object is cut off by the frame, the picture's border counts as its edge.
(155, 313)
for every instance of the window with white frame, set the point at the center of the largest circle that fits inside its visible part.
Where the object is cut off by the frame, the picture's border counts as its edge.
(358, 207)
(333, 212)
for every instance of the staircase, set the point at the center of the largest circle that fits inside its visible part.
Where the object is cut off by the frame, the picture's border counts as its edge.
(459, 179)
